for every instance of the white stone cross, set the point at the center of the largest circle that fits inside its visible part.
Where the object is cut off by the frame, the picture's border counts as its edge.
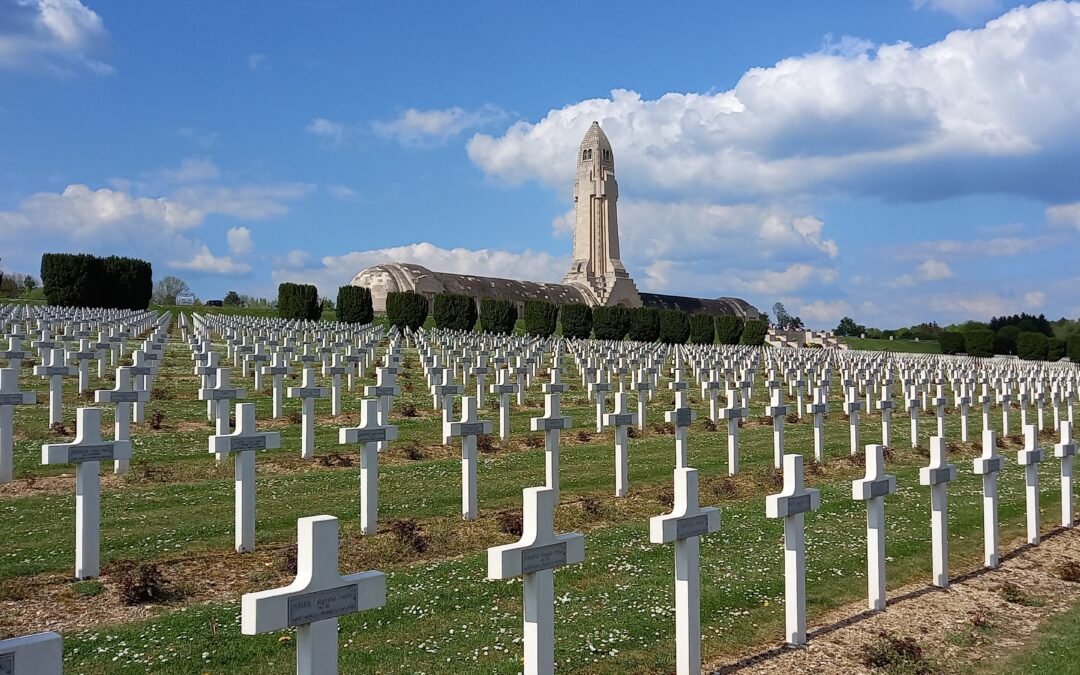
(852, 406)
(1004, 398)
(939, 403)
(777, 412)
(684, 526)
(819, 408)
(83, 355)
(220, 394)
(368, 435)
(599, 389)
(10, 396)
(988, 466)
(385, 390)
(14, 353)
(1029, 458)
(937, 476)
(143, 372)
(243, 443)
(314, 601)
(37, 654)
(123, 395)
(790, 504)
(503, 388)
(87, 452)
(962, 402)
(535, 558)
(913, 414)
(682, 417)
(307, 392)
(885, 405)
(872, 489)
(552, 424)
(335, 370)
(279, 367)
(643, 386)
(468, 428)
(445, 394)
(621, 419)
(732, 413)
(1065, 450)
(55, 371)
(208, 364)
(480, 370)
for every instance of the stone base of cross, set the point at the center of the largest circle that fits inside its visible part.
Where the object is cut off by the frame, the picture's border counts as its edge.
(314, 601)
(535, 558)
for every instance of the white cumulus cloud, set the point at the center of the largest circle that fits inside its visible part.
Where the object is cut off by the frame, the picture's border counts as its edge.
(206, 262)
(58, 36)
(419, 127)
(239, 239)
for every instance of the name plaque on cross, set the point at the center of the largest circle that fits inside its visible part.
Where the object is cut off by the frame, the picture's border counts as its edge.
(472, 429)
(370, 435)
(543, 557)
(799, 504)
(694, 526)
(622, 420)
(549, 424)
(240, 444)
(7, 664)
(54, 370)
(381, 391)
(942, 475)
(220, 394)
(683, 417)
(306, 392)
(123, 397)
(11, 399)
(879, 488)
(91, 453)
(320, 605)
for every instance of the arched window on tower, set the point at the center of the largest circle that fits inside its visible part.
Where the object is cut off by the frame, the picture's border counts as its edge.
(586, 155)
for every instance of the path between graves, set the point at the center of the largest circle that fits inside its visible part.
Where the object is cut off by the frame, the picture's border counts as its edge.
(968, 627)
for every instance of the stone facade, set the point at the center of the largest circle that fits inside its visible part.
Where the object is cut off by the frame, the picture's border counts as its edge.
(597, 276)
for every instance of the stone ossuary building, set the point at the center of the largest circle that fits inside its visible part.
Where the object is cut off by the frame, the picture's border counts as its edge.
(597, 276)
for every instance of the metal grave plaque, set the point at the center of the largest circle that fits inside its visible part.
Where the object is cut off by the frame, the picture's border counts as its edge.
(11, 399)
(543, 557)
(243, 443)
(7, 664)
(879, 488)
(691, 527)
(473, 429)
(370, 435)
(320, 605)
(622, 420)
(91, 453)
(798, 504)
(683, 417)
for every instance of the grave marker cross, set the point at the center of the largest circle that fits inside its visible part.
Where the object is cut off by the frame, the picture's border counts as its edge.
(988, 466)
(468, 428)
(1029, 458)
(243, 443)
(123, 395)
(552, 424)
(937, 476)
(368, 435)
(10, 396)
(1065, 450)
(872, 489)
(621, 419)
(314, 601)
(307, 392)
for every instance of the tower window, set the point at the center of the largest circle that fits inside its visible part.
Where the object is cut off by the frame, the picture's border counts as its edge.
(586, 155)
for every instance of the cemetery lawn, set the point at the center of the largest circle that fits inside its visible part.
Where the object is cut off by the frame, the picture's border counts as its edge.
(902, 346)
(614, 611)
(1055, 651)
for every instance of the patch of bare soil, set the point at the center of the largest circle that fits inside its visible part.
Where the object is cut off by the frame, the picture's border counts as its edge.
(54, 485)
(983, 615)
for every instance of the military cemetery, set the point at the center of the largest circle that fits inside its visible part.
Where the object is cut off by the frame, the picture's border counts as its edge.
(440, 466)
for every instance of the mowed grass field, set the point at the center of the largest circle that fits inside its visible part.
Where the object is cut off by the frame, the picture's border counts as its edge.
(898, 346)
(614, 611)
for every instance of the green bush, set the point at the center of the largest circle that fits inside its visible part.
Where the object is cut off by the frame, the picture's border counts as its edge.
(299, 302)
(1032, 346)
(674, 326)
(610, 323)
(952, 342)
(1005, 339)
(979, 342)
(576, 320)
(1072, 346)
(644, 324)
(354, 305)
(454, 311)
(702, 329)
(540, 318)
(497, 316)
(72, 280)
(753, 333)
(728, 330)
(406, 309)
(1055, 349)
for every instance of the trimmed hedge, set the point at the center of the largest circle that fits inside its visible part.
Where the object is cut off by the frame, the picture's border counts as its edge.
(454, 311)
(498, 315)
(299, 302)
(354, 305)
(406, 309)
(83, 280)
(541, 317)
(702, 329)
(979, 342)
(644, 324)
(576, 320)
(753, 333)
(728, 330)
(1072, 346)
(952, 342)
(610, 323)
(1032, 346)
(674, 326)
(1055, 349)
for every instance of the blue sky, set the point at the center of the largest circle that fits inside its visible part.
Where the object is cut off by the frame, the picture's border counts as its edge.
(896, 161)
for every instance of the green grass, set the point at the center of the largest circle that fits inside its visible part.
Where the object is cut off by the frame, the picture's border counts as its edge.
(1055, 650)
(903, 346)
(614, 610)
